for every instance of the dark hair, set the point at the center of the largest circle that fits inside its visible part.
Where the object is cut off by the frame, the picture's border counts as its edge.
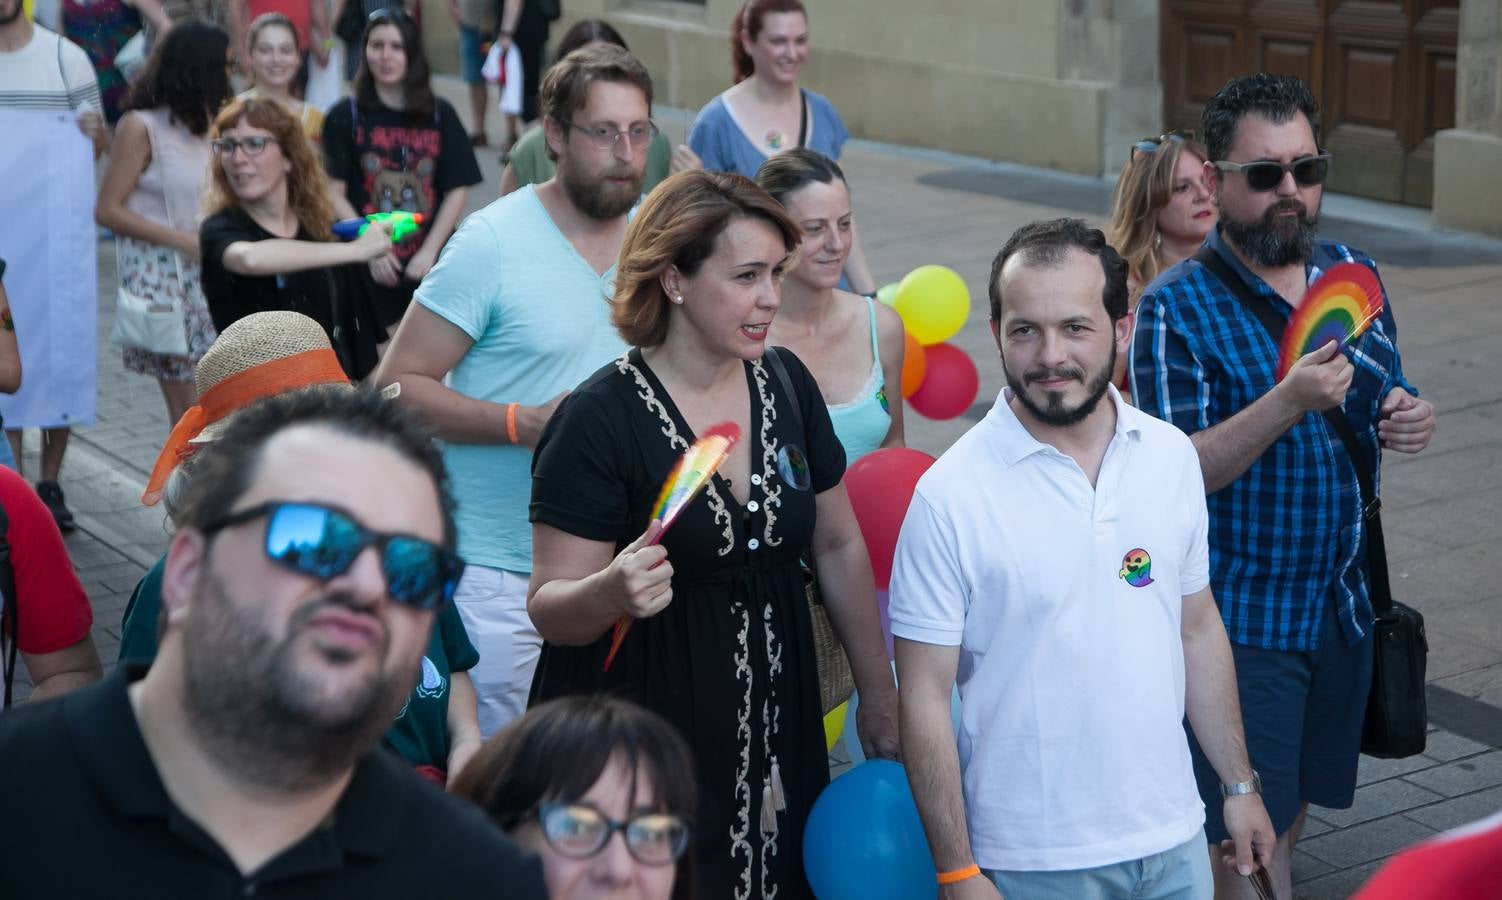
(792, 170)
(565, 85)
(559, 749)
(417, 86)
(187, 74)
(1043, 245)
(587, 31)
(678, 225)
(225, 469)
(1275, 97)
(748, 22)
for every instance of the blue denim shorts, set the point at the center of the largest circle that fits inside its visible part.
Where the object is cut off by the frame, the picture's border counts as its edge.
(1302, 712)
(471, 58)
(1182, 873)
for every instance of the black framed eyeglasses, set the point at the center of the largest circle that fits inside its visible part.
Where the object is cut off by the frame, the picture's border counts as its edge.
(253, 146)
(1265, 175)
(323, 542)
(1150, 145)
(604, 137)
(579, 831)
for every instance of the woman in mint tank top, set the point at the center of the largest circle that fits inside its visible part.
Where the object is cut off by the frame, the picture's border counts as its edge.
(851, 344)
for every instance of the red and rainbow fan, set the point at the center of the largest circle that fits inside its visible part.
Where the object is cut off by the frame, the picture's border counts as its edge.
(684, 482)
(1339, 307)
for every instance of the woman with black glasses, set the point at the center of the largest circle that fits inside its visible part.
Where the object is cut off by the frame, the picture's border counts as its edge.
(266, 244)
(395, 147)
(571, 773)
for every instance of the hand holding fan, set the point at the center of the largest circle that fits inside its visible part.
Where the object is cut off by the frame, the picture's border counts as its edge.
(1339, 307)
(684, 482)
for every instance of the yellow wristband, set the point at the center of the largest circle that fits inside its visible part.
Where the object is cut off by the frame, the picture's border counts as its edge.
(959, 875)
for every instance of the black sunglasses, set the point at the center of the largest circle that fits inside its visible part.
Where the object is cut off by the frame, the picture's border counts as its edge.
(579, 831)
(323, 542)
(1150, 145)
(1266, 175)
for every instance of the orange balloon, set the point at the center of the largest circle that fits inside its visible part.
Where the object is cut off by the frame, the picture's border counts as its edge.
(914, 364)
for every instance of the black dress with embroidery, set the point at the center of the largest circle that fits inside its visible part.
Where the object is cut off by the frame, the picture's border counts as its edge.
(730, 661)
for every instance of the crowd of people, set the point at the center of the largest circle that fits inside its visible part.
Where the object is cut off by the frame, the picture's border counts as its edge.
(491, 404)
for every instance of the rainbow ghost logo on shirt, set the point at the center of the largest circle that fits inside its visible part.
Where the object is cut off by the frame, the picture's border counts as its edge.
(1137, 568)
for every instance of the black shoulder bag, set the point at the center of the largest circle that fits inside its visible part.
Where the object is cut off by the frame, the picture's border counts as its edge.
(10, 620)
(1396, 712)
(836, 682)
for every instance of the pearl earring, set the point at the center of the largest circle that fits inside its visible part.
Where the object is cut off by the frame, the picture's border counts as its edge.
(678, 299)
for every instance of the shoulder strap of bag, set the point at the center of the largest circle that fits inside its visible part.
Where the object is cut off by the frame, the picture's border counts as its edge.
(11, 618)
(773, 356)
(802, 117)
(156, 160)
(1335, 417)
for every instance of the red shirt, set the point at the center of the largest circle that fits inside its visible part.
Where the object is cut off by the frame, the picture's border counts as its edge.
(53, 609)
(1465, 864)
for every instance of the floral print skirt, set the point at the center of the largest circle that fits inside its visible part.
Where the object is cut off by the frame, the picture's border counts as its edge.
(149, 270)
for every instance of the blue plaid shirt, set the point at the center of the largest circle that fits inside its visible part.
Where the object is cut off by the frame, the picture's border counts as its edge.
(1287, 534)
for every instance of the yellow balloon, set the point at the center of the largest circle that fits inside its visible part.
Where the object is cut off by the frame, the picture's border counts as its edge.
(887, 293)
(834, 726)
(934, 303)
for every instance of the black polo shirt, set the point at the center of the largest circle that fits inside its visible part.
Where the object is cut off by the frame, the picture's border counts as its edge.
(84, 814)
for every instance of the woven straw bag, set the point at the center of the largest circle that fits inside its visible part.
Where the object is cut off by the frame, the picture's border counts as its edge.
(836, 683)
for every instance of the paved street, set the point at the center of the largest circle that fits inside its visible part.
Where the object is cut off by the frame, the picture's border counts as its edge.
(916, 207)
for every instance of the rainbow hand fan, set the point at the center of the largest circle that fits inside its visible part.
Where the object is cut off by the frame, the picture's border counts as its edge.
(688, 477)
(1339, 307)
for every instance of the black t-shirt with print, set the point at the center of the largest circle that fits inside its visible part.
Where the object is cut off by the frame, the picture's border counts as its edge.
(392, 161)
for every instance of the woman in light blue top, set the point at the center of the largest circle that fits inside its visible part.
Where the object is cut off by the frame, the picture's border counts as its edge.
(765, 112)
(852, 345)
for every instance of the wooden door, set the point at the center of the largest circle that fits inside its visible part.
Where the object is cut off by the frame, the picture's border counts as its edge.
(1383, 72)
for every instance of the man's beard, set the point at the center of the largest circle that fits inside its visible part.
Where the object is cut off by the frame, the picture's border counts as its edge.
(14, 15)
(1267, 244)
(246, 697)
(596, 197)
(1056, 414)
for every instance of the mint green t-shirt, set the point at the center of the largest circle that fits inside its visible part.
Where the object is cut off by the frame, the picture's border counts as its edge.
(540, 320)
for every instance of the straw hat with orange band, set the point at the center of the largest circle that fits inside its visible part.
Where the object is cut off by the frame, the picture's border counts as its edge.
(259, 356)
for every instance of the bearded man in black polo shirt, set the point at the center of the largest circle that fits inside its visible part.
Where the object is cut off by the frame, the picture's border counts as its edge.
(315, 541)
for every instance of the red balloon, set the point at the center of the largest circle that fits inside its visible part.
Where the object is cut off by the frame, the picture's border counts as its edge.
(881, 485)
(950, 384)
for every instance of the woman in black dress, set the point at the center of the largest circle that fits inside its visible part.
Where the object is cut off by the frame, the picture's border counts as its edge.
(722, 644)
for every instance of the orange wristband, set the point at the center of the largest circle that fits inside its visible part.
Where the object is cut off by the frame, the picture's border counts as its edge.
(959, 875)
(511, 424)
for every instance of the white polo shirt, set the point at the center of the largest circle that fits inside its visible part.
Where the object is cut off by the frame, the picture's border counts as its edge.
(1071, 670)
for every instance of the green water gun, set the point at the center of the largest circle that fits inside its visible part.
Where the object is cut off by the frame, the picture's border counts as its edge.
(402, 225)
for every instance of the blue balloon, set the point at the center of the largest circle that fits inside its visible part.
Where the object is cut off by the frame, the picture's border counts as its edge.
(853, 741)
(864, 840)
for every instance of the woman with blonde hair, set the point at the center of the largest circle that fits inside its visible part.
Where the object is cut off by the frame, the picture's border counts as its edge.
(721, 642)
(267, 243)
(1161, 211)
(274, 65)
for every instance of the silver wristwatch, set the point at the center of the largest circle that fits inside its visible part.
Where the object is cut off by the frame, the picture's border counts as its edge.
(1243, 787)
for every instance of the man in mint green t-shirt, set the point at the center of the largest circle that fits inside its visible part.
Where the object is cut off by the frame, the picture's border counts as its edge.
(513, 316)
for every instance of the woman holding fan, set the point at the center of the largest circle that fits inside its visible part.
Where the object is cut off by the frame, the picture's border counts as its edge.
(721, 643)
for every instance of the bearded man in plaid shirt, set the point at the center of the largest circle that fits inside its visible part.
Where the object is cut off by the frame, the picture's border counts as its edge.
(1287, 538)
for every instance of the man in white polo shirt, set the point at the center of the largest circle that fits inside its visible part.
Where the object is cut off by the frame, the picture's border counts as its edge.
(1054, 562)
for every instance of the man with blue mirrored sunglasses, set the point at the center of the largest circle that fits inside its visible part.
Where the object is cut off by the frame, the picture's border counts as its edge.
(314, 543)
